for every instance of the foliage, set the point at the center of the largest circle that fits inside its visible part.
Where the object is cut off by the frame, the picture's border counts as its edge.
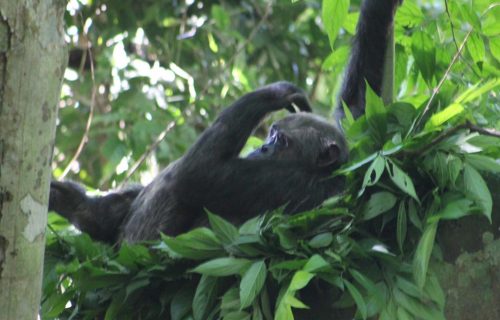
(413, 164)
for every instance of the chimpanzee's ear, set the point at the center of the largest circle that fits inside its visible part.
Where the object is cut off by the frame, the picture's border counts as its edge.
(328, 155)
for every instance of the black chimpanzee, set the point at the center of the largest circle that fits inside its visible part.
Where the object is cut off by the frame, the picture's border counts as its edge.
(291, 170)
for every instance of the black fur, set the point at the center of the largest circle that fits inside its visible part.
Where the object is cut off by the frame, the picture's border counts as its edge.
(367, 54)
(291, 170)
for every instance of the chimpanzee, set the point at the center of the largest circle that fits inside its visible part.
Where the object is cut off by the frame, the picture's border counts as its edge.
(292, 170)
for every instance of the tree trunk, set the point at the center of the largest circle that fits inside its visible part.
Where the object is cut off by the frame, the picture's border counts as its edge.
(32, 63)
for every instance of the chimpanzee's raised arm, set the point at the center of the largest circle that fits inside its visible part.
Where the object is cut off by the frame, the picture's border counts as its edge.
(228, 134)
(367, 54)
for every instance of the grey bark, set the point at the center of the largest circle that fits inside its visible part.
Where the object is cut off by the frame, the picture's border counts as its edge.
(32, 63)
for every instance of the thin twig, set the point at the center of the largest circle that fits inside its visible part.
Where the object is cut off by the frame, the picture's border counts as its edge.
(452, 27)
(449, 132)
(149, 150)
(440, 84)
(85, 136)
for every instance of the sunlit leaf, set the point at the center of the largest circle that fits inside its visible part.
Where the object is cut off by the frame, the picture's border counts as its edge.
(333, 13)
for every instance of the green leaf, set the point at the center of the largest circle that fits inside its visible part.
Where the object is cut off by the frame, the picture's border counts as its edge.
(477, 91)
(476, 188)
(423, 254)
(300, 280)
(295, 303)
(316, 263)
(224, 231)
(475, 46)
(401, 179)
(204, 297)
(222, 267)
(424, 52)
(230, 301)
(418, 309)
(181, 302)
(453, 210)
(441, 117)
(483, 163)
(221, 17)
(321, 240)
(402, 225)
(333, 14)
(373, 173)
(358, 298)
(495, 47)
(378, 203)
(376, 115)
(252, 282)
(198, 244)
(368, 284)
(409, 14)
(434, 291)
(358, 164)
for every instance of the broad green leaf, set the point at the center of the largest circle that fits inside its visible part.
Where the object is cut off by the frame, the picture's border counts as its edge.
(424, 51)
(376, 115)
(483, 163)
(368, 284)
(476, 188)
(230, 301)
(446, 114)
(336, 60)
(350, 22)
(295, 303)
(333, 13)
(300, 280)
(413, 215)
(224, 231)
(284, 311)
(418, 309)
(316, 263)
(423, 254)
(252, 282)
(453, 210)
(495, 46)
(434, 291)
(475, 46)
(321, 240)
(409, 14)
(204, 297)
(222, 267)
(197, 244)
(359, 164)
(373, 173)
(469, 15)
(402, 314)
(358, 298)
(378, 203)
(401, 179)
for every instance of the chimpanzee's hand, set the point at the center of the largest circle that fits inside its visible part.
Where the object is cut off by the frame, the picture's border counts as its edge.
(291, 95)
